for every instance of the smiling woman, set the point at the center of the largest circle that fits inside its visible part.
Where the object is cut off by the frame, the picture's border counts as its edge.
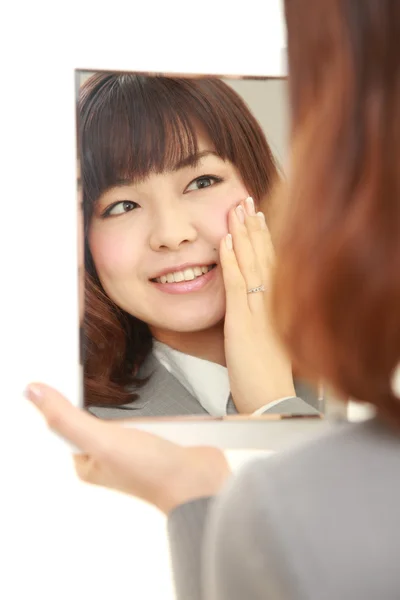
(163, 161)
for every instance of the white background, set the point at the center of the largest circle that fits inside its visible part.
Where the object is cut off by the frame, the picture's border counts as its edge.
(59, 538)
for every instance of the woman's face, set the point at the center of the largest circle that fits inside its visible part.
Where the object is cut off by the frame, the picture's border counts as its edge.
(152, 241)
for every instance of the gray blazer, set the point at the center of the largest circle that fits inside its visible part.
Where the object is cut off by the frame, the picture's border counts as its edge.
(318, 522)
(164, 396)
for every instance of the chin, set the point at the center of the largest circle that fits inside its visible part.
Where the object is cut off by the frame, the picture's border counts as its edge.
(192, 323)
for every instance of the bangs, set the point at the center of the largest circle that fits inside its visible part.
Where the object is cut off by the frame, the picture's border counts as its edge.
(131, 126)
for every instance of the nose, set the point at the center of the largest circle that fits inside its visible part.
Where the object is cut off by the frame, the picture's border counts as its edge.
(171, 227)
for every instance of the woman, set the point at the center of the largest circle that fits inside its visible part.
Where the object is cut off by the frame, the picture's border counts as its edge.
(163, 160)
(321, 520)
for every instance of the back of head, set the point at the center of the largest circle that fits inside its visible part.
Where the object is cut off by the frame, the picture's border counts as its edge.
(337, 287)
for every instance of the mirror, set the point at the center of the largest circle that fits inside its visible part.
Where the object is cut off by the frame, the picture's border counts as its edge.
(156, 186)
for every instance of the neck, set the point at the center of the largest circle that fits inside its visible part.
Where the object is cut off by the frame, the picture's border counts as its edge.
(207, 344)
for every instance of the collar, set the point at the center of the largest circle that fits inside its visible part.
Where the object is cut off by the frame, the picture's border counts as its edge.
(206, 381)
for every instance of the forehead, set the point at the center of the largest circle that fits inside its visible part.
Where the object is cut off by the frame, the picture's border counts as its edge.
(138, 156)
(203, 141)
(205, 150)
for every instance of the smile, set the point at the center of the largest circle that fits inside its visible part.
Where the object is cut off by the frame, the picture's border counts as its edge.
(186, 275)
(186, 281)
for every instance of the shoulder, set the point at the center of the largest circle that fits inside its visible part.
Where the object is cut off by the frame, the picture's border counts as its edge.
(347, 457)
(327, 510)
(314, 522)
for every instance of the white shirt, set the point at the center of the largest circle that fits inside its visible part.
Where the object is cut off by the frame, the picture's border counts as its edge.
(206, 381)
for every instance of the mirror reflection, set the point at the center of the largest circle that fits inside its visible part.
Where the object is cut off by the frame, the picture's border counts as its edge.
(163, 161)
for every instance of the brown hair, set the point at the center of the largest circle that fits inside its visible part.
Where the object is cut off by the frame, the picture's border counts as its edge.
(131, 125)
(337, 285)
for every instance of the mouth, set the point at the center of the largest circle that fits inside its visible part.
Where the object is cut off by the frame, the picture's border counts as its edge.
(188, 274)
(187, 280)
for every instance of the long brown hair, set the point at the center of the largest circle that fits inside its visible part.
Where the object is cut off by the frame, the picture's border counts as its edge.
(337, 285)
(131, 125)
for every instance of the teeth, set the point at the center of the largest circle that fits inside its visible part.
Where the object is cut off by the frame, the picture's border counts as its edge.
(189, 274)
(186, 275)
(178, 276)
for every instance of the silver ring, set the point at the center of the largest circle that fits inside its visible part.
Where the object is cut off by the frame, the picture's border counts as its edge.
(260, 288)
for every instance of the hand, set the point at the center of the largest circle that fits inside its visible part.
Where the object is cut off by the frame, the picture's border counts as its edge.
(129, 460)
(259, 371)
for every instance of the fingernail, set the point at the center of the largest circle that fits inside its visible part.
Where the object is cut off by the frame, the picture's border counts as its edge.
(228, 241)
(261, 216)
(34, 394)
(250, 206)
(240, 213)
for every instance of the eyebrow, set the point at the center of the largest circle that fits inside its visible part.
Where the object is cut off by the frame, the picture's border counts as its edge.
(193, 159)
(189, 161)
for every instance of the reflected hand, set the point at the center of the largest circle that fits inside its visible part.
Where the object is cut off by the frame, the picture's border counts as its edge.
(259, 371)
(129, 460)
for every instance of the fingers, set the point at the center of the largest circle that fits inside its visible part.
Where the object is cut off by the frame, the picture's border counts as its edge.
(84, 467)
(97, 472)
(89, 471)
(260, 239)
(253, 257)
(245, 255)
(248, 233)
(235, 285)
(75, 425)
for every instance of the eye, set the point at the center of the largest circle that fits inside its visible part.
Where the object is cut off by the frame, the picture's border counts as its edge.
(202, 182)
(119, 208)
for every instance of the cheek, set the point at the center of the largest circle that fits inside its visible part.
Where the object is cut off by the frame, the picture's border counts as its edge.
(216, 217)
(112, 254)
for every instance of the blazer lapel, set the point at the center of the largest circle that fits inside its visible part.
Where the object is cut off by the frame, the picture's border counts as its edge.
(161, 396)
